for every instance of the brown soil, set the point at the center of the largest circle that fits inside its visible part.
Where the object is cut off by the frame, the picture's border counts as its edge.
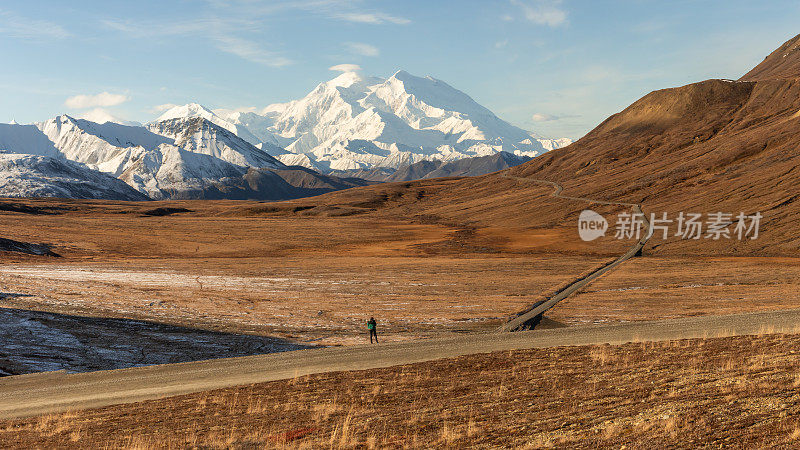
(738, 392)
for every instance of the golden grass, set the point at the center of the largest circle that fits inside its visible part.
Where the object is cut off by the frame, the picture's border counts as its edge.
(737, 390)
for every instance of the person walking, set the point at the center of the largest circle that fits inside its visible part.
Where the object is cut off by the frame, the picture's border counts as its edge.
(372, 326)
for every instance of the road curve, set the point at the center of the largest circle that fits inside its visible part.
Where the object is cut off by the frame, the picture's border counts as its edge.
(519, 322)
(29, 395)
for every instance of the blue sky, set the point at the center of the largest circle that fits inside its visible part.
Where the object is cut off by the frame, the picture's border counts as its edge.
(554, 67)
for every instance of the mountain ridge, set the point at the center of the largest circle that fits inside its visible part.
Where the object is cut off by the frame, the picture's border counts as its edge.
(349, 123)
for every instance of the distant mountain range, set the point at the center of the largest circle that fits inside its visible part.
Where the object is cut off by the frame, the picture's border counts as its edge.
(404, 127)
(467, 167)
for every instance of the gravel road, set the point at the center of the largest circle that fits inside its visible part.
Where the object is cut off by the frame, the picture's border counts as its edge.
(28, 395)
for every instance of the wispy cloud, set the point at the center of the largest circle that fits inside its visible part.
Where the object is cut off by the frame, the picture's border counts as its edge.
(374, 18)
(348, 10)
(542, 12)
(219, 30)
(103, 99)
(175, 28)
(360, 48)
(541, 117)
(225, 23)
(345, 68)
(250, 50)
(24, 28)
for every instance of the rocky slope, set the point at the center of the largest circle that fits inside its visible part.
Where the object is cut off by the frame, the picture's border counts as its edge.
(44, 176)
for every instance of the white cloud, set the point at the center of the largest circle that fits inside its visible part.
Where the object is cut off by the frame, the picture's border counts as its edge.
(540, 117)
(103, 99)
(25, 28)
(362, 49)
(100, 115)
(250, 51)
(345, 68)
(542, 12)
(163, 107)
(372, 18)
(501, 44)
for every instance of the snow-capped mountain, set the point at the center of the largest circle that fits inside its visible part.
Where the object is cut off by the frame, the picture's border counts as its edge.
(179, 158)
(354, 122)
(164, 160)
(351, 123)
(42, 176)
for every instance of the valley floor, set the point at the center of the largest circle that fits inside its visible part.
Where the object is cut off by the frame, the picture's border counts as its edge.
(735, 392)
(326, 299)
(272, 270)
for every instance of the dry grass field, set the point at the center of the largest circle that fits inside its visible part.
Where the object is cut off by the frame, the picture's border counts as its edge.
(231, 267)
(733, 392)
(308, 272)
(325, 299)
(663, 287)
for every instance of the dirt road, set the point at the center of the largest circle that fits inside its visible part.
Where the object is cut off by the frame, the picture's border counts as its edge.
(29, 395)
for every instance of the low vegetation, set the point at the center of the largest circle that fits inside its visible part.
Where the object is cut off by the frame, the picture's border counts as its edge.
(732, 392)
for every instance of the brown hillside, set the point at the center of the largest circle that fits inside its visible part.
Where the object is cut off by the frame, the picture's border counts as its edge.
(782, 63)
(710, 146)
(713, 146)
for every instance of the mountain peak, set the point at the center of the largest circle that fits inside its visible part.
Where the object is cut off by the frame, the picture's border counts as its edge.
(185, 111)
(400, 74)
(345, 80)
(783, 63)
(64, 118)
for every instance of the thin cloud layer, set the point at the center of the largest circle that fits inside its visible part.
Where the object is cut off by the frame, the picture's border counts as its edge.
(360, 48)
(372, 18)
(103, 100)
(542, 12)
(25, 28)
(540, 117)
(251, 51)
